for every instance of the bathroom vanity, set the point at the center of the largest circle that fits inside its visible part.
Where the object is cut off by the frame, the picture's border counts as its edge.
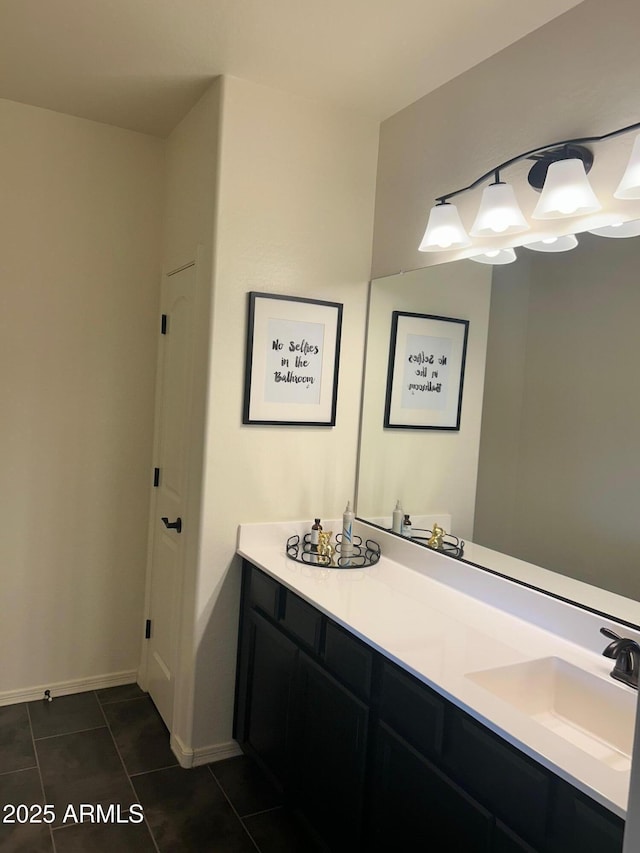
(423, 699)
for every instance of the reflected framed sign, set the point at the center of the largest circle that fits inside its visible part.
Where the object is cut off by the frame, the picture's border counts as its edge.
(425, 374)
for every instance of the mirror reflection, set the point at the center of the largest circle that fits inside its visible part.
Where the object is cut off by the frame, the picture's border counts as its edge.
(546, 464)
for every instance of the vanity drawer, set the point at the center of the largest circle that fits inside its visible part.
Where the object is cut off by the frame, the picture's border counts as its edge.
(412, 710)
(301, 620)
(263, 592)
(513, 787)
(349, 659)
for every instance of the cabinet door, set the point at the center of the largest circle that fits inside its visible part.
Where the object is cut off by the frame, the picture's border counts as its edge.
(512, 786)
(329, 755)
(505, 841)
(580, 825)
(415, 807)
(267, 720)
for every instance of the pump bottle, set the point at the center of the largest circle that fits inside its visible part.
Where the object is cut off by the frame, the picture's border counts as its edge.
(346, 545)
(396, 524)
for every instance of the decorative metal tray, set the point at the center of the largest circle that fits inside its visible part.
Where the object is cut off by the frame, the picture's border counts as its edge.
(364, 554)
(449, 544)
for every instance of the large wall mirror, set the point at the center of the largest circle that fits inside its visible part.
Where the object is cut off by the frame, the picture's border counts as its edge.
(546, 464)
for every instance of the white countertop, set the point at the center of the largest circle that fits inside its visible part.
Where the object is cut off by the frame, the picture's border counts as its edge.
(441, 619)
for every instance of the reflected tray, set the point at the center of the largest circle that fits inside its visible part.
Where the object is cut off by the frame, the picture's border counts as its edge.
(451, 545)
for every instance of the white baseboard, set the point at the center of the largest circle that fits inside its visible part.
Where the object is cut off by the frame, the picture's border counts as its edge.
(63, 688)
(188, 757)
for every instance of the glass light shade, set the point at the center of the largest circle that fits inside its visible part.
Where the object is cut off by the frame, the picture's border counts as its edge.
(444, 230)
(499, 213)
(553, 244)
(566, 192)
(629, 186)
(495, 256)
(620, 229)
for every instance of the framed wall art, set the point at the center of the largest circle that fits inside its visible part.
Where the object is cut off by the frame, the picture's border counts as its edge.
(426, 371)
(292, 360)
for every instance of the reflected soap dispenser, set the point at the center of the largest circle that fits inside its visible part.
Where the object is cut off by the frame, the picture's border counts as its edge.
(396, 524)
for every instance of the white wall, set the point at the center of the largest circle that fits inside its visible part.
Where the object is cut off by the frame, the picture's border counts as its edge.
(429, 471)
(295, 211)
(79, 268)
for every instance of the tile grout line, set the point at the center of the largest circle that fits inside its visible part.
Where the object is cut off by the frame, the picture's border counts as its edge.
(233, 808)
(155, 770)
(74, 732)
(263, 811)
(124, 767)
(18, 770)
(120, 701)
(35, 754)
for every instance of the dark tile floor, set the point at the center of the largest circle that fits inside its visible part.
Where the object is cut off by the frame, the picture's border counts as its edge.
(110, 749)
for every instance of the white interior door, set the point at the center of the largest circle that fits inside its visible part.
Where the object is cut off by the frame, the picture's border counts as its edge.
(169, 528)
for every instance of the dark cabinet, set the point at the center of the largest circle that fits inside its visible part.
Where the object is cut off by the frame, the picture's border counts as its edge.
(579, 825)
(301, 621)
(515, 788)
(414, 805)
(506, 841)
(263, 593)
(349, 659)
(375, 760)
(412, 710)
(267, 720)
(329, 755)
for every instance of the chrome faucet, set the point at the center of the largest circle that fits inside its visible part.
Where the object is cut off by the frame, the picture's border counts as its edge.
(626, 653)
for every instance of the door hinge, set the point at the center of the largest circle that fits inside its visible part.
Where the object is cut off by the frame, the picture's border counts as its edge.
(163, 325)
(147, 629)
(156, 478)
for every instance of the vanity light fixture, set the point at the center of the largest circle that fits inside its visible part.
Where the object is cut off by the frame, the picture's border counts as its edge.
(495, 256)
(553, 244)
(619, 229)
(560, 174)
(629, 186)
(566, 191)
(499, 212)
(445, 229)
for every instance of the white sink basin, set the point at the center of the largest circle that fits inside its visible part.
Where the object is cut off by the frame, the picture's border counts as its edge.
(593, 714)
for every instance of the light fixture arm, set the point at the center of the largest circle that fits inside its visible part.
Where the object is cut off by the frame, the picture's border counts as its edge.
(552, 147)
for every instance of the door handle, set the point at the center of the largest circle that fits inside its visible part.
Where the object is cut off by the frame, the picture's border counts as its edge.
(173, 525)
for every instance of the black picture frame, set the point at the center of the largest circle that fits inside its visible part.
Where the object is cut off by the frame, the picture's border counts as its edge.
(425, 374)
(292, 361)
